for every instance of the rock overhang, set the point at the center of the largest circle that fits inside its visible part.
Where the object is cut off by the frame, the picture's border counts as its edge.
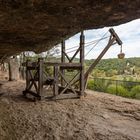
(38, 25)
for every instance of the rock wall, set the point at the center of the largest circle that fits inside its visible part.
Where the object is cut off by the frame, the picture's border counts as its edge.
(37, 25)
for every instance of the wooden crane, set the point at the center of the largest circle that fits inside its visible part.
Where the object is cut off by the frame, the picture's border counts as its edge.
(36, 77)
(114, 38)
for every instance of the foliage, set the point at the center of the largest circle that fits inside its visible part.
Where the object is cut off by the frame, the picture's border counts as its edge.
(122, 88)
(128, 84)
(122, 91)
(49, 71)
(135, 92)
(110, 73)
(111, 89)
(113, 69)
(90, 84)
(98, 73)
(115, 66)
(100, 85)
(118, 90)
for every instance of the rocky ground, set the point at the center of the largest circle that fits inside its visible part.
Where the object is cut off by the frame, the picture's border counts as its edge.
(98, 116)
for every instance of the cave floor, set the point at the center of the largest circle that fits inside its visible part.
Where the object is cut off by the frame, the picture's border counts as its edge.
(98, 116)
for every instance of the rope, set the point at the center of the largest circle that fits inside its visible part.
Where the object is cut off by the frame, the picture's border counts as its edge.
(103, 37)
(88, 44)
(121, 49)
(85, 43)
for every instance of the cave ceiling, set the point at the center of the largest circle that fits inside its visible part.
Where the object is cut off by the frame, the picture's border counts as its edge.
(38, 25)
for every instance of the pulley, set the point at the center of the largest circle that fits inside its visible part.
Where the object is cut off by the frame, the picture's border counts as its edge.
(121, 55)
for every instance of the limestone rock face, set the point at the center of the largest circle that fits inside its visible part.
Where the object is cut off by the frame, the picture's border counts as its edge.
(38, 25)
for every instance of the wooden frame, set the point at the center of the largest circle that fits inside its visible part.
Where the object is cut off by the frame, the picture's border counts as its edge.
(62, 88)
(36, 77)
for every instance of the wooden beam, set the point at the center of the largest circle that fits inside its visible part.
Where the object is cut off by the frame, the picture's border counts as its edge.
(75, 54)
(66, 96)
(63, 49)
(55, 87)
(82, 79)
(40, 76)
(31, 93)
(112, 31)
(111, 40)
(66, 56)
(68, 84)
(27, 75)
(30, 64)
(62, 64)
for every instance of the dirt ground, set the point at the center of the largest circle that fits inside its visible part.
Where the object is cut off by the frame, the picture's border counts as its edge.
(98, 116)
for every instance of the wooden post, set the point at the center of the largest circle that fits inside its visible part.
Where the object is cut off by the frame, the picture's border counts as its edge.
(40, 76)
(63, 60)
(27, 76)
(82, 79)
(55, 88)
(22, 68)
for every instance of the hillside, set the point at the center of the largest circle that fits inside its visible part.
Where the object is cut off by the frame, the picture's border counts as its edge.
(115, 64)
(110, 63)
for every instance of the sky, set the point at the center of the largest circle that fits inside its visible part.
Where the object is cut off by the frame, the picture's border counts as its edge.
(129, 33)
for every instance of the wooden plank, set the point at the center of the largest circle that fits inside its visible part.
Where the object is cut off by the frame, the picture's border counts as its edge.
(71, 67)
(66, 96)
(31, 93)
(68, 84)
(55, 87)
(33, 81)
(27, 75)
(40, 76)
(32, 68)
(68, 90)
(92, 66)
(63, 49)
(30, 64)
(75, 54)
(82, 79)
(112, 31)
(34, 65)
(66, 56)
(62, 64)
